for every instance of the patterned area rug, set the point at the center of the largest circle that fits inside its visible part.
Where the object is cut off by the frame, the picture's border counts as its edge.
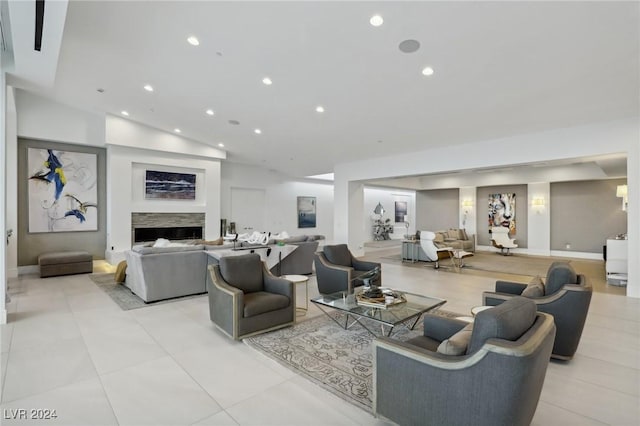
(124, 297)
(339, 360)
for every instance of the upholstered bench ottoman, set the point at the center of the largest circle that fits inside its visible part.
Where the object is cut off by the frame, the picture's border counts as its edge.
(65, 263)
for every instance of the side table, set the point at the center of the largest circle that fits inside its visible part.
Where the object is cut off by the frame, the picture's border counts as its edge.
(410, 251)
(298, 279)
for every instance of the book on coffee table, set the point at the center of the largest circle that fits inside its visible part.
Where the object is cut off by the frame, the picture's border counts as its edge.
(379, 302)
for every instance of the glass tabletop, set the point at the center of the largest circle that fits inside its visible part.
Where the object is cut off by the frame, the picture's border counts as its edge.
(391, 315)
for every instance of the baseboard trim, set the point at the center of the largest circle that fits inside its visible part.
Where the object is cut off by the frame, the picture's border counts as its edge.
(577, 254)
(29, 269)
(3, 316)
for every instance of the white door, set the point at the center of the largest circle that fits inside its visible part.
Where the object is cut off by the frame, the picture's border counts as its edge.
(248, 210)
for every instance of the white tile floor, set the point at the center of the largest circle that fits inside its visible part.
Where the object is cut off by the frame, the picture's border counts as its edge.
(69, 347)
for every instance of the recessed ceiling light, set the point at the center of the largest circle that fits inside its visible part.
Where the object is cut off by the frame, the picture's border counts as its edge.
(267, 81)
(234, 122)
(376, 20)
(148, 88)
(100, 90)
(221, 145)
(257, 131)
(209, 112)
(177, 130)
(125, 113)
(319, 108)
(427, 71)
(193, 40)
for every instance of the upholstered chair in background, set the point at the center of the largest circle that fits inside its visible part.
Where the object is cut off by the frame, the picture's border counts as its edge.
(338, 270)
(246, 299)
(563, 294)
(489, 372)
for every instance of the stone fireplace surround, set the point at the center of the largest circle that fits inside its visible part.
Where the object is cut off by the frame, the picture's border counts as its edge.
(179, 225)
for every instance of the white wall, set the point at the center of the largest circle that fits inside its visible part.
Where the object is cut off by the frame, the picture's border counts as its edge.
(468, 215)
(3, 200)
(281, 198)
(539, 219)
(125, 181)
(388, 197)
(614, 137)
(42, 118)
(12, 184)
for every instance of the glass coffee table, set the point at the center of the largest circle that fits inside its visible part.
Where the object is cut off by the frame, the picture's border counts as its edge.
(407, 314)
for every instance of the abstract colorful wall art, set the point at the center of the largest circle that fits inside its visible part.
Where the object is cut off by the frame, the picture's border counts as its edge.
(63, 191)
(502, 211)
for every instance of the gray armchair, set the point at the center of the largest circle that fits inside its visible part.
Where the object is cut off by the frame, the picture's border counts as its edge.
(564, 294)
(338, 270)
(246, 299)
(495, 380)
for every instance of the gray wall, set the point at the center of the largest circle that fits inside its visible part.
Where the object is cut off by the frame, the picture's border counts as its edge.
(585, 213)
(437, 209)
(30, 245)
(482, 224)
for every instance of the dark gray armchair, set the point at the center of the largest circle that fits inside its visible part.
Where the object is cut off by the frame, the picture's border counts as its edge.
(495, 380)
(246, 299)
(564, 294)
(338, 270)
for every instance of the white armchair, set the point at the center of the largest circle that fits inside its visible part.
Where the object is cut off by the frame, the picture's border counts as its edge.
(431, 253)
(500, 239)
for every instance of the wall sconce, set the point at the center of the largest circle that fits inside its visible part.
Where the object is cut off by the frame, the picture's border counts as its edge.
(379, 209)
(621, 192)
(466, 206)
(538, 203)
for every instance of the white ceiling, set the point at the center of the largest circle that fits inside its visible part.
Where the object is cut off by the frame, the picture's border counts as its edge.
(500, 69)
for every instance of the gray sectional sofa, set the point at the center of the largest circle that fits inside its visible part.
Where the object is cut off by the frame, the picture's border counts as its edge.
(158, 273)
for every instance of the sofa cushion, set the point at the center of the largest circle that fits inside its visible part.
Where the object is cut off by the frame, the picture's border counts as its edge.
(461, 234)
(464, 235)
(259, 302)
(62, 257)
(295, 239)
(243, 272)
(157, 250)
(338, 254)
(452, 233)
(508, 321)
(559, 274)
(439, 238)
(458, 343)
(535, 288)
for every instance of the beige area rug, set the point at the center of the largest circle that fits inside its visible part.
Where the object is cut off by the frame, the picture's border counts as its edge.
(124, 297)
(339, 360)
(516, 264)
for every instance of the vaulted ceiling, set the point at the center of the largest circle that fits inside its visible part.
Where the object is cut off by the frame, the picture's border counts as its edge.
(499, 69)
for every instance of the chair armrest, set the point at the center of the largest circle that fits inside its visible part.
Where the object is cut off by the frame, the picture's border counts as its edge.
(363, 265)
(490, 298)
(277, 285)
(441, 328)
(226, 303)
(510, 287)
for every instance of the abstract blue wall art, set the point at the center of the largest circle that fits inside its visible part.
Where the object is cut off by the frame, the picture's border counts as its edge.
(306, 212)
(169, 185)
(63, 191)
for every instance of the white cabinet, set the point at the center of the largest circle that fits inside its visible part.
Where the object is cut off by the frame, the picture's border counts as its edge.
(616, 264)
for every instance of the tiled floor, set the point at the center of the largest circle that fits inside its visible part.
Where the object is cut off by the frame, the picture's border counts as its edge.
(69, 347)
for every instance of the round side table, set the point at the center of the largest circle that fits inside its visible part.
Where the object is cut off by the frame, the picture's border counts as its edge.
(297, 279)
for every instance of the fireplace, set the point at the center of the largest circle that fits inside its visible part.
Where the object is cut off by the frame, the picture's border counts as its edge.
(141, 235)
(172, 226)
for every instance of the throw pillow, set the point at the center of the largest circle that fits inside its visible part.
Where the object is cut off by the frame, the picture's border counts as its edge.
(439, 238)
(458, 343)
(461, 234)
(452, 233)
(535, 288)
(464, 234)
